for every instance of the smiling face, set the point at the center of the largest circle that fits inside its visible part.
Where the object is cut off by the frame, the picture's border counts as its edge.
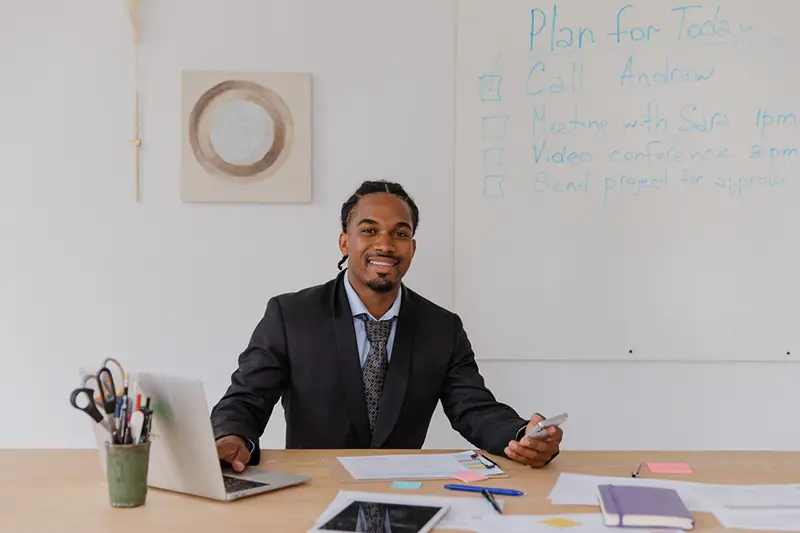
(379, 242)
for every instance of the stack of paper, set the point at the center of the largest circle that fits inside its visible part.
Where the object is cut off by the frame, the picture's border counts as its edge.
(775, 507)
(770, 507)
(420, 466)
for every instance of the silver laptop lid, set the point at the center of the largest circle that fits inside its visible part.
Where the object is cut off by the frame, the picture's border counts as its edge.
(183, 454)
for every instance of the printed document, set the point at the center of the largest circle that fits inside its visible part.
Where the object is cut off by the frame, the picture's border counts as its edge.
(419, 466)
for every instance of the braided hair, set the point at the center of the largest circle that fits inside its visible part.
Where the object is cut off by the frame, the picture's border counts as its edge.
(377, 187)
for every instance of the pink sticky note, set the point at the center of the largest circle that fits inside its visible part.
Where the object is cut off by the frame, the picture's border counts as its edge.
(669, 468)
(469, 477)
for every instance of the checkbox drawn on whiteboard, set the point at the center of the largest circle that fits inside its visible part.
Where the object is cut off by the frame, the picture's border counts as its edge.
(489, 87)
(494, 128)
(493, 186)
(493, 157)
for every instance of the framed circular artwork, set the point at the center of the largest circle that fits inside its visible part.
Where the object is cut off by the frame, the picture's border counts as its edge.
(246, 137)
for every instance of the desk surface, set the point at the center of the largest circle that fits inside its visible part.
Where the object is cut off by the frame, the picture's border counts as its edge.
(64, 490)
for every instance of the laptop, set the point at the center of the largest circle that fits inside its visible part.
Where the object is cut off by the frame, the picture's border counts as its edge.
(183, 453)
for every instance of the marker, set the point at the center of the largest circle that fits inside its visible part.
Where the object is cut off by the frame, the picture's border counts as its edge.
(473, 488)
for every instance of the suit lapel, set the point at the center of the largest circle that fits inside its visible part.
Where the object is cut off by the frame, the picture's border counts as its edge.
(394, 388)
(349, 364)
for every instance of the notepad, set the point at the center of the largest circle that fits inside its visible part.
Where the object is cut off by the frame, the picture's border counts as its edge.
(639, 506)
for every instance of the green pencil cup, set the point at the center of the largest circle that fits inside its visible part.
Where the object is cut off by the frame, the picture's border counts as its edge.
(126, 473)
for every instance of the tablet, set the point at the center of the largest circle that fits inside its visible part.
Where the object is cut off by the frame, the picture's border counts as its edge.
(383, 518)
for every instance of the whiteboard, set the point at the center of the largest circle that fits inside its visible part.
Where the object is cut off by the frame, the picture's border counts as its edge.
(626, 180)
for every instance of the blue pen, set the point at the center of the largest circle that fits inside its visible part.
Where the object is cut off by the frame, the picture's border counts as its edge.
(471, 488)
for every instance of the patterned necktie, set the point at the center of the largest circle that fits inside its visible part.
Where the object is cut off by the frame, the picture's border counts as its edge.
(374, 514)
(374, 373)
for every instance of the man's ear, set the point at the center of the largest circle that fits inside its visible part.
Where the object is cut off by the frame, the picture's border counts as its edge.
(343, 243)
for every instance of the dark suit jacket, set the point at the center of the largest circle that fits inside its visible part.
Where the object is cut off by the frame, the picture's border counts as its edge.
(304, 352)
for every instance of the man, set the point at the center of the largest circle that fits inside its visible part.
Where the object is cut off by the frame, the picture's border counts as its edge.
(361, 361)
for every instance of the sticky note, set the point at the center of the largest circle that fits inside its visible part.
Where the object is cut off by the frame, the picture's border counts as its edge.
(469, 477)
(561, 522)
(669, 468)
(406, 485)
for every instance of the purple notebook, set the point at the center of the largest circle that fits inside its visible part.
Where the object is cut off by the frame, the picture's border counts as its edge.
(637, 506)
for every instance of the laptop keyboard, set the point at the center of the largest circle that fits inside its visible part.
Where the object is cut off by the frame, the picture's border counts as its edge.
(235, 484)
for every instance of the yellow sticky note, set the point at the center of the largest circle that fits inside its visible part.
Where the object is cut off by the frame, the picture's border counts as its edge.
(561, 522)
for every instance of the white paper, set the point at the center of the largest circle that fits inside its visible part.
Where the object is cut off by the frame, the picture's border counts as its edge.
(762, 519)
(752, 497)
(587, 523)
(468, 513)
(745, 506)
(408, 466)
(581, 489)
(772, 507)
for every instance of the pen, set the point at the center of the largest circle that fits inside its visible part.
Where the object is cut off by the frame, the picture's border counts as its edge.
(474, 488)
(123, 421)
(491, 500)
(635, 472)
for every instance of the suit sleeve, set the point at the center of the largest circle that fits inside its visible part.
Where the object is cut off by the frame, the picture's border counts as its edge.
(257, 383)
(471, 408)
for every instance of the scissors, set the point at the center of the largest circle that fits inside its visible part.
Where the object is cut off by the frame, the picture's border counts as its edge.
(108, 397)
(117, 378)
(90, 408)
(95, 386)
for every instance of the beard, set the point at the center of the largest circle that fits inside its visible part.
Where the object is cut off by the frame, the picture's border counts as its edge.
(381, 285)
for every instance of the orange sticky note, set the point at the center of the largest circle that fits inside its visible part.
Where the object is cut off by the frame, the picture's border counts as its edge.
(669, 468)
(469, 477)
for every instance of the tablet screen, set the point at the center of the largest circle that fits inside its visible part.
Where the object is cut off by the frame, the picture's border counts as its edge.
(382, 518)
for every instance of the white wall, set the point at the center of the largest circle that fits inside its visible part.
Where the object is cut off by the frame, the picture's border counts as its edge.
(85, 272)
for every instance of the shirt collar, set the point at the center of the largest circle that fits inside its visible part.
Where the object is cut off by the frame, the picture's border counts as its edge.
(357, 306)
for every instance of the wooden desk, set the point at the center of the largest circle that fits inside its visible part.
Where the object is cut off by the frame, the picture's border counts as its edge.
(64, 491)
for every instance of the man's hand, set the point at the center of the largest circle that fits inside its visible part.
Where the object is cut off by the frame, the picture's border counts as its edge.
(535, 452)
(233, 450)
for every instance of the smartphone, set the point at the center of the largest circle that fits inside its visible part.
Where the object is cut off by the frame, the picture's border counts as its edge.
(540, 430)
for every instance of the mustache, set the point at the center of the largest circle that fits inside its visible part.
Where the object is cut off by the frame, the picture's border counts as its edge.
(385, 256)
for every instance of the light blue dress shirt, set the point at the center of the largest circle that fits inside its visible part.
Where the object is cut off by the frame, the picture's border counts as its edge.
(358, 307)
